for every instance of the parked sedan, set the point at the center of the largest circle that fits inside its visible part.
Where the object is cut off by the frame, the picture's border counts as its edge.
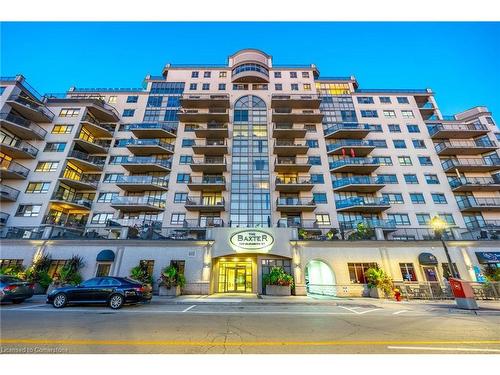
(113, 291)
(15, 290)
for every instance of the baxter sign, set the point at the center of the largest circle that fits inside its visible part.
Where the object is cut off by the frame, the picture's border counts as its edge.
(252, 240)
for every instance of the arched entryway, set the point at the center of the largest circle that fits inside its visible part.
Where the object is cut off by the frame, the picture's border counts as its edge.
(320, 279)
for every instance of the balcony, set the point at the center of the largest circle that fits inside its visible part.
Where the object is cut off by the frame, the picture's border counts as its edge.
(289, 131)
(250, 72)
(8, 194)
(152, 130)
(427, 110)
(22, 128)
(97, 128)
(29, 108)
(472, 204)
(141, 183)
(385, 225)
(298, 101)
(363, 204)
(474, 184)
(457, 131)
(349, 146)
(205, 101)
(295, 205)
(455, 147)
(290, 148)
(203, 223)
(207, 183)
(212, 130)
(209, 164)
(294, 185)
(471, 165)
(292, 165)
(65, 220)
(287, 115)
(13, 171)
(205, 204)
(210, 147)
(80, 181)
(140, 164)
(70, 202)
(149, 147)
(3, 218)
(361, 184)
(355, 165)
(138, 204)
(17, 148)
(347, 130)
(220, 115)
(92, 145)
(86, 162)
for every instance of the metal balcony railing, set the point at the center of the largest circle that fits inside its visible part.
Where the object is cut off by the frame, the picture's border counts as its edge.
(8, 192)
(152, 126)
(24, 123)
(473, 202)
(205, 201)
(20, 144)
(35, 105)
(143, 180)
(89, 179)
(358, 180)
(167, 163)
(209, 160)
(346, 126)
(480, 181)
(433, 129)
(471, 162)
(355, 160)
(362, 201)
(14, 167)
(294, 180)
(150, 142)
(207, 180)
(349, 143)
(138, 201)
(65, 197)
(468, 144)
(97, 160)
(293, 201)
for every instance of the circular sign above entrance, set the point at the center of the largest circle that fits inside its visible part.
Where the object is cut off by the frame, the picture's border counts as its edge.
(251, 240)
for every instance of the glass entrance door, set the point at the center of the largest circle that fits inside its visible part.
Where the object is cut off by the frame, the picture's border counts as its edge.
(235, 277)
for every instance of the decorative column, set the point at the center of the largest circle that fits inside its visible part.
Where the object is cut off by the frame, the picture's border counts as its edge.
(298, 274)
(206, 271)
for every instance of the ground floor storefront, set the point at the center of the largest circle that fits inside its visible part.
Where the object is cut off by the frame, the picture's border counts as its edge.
(237, 260)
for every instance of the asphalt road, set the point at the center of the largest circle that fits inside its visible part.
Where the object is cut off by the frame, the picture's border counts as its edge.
(337, 327)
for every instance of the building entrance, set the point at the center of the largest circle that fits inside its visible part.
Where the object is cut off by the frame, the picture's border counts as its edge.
(235, 277)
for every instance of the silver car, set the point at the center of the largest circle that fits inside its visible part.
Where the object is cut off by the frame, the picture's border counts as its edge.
(15, 290)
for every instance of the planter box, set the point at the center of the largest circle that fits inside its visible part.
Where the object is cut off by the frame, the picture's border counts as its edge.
(377, 293)
(278, 290)
(39, 289)
(173, 291)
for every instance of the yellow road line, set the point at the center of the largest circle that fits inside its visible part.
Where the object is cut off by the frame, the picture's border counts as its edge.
(233, 343)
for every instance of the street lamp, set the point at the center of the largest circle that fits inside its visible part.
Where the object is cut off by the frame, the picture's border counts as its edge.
(439, 226)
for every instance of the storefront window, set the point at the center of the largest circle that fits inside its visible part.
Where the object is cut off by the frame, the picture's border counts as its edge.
(446, 270)
(103, 269)
(408, 271)
(357, 271)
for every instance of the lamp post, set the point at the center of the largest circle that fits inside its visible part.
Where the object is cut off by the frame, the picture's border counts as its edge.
(439, 226)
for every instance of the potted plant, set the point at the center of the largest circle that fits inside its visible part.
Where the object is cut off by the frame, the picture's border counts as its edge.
(362, 232)
(38, 273)
(278, 282)
(379, 283)
(171, 282)
(16, 270)
(69, 274)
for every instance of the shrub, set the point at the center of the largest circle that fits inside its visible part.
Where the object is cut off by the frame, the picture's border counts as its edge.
(171, 277)
(38, 272)
(70, 273)
(16, 270)
(491, 274)
(278, 276)
(363, 232)
(377, 278)
(141, 273)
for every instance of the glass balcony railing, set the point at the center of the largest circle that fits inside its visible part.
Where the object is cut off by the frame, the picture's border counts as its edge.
(207, 180)
(138, 201)
(167, 163)
(88, 179)
(142, 180)
(34, 105)
(13, 167)
(97, 160)
(8, 193)
(456, 182)
(70, 198)
(464, 144)
(433, 129)
(109, 127)
(473, 202)
(152, 126)
(346, 126)
(358, 180)
(19, 144)
(294, 180)
(24, 123)
(362, 201)
(370, 223)
(293, 201)
(150, 142)
(349, 143)
(354, 161)
(470, 162)
(205, 201)
(209, 160)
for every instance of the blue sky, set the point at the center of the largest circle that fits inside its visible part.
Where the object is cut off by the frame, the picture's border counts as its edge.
(460, 61)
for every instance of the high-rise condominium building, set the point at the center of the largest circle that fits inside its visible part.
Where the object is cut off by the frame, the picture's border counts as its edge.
(225, 171)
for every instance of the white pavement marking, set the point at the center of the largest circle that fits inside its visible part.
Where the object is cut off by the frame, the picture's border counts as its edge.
(400, 312)
(349, 309)
(189, 308)
(444, 349)
(368, 311)
(27, 307)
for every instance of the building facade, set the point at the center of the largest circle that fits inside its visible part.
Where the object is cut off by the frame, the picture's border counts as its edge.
(225, 171)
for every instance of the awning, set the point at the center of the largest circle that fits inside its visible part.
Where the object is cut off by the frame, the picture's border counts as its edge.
(487, 257)
(106, 256)
(427, 259)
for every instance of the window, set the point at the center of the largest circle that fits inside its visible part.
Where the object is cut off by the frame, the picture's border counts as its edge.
(180, 197)
(177, 218)
(307, 87)
(278, 87)
(222, 86)
(37, 187)
(193, 86)
(314, 160)
(439, 198)
(187, 142)
(407, 114)
(317, 178)
(376, 128)
(106, 197)
(323, 219)
(128, 112)
(185, 159)
(411, 178)
(154, 101)
(151, 115)
(55, 267)
(207, 74)
(10, 263)
(385, 100)
(403, 100)
(394, 128)
(399, 143)
(384, 160)
(132, 99)
(293, 74)
(69, 112)
(112, 177)
(423, 219)
(417, 198)
(240, 86)
(404, 160)
(418, 143)
(112, 99)
(387, 178)
(47, 166)
(55, 147)
(448, 218)
(103, 269)
(431, 179)
(393, 198)
(490, 121)
(424, 160)
(319, 198)
(62, 129)
(370, 114)
(222, 74)
(389, 114)
(2, 89)
(365, 100)
(357, 271)
(408, 271)
(195, 74)
(277, 74)
(170, 115)
(259, 86)
(189, 128)
(295, 87)
(28, 210)
(399, 219)
(183, 178)
(173, 101)
(379, 143)
(312, 143)
(310, 128)
(102, 217)
(413, 128)
(205, 86)
(305, 74)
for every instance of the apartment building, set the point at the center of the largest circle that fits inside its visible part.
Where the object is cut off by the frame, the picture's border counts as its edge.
(227, 170)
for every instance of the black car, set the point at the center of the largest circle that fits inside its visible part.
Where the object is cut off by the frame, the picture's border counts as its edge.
(15, 290)
(113, 291)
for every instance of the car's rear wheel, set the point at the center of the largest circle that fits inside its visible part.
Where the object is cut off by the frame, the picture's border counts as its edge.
(116, 301)
(16, 301)
(60, 300)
